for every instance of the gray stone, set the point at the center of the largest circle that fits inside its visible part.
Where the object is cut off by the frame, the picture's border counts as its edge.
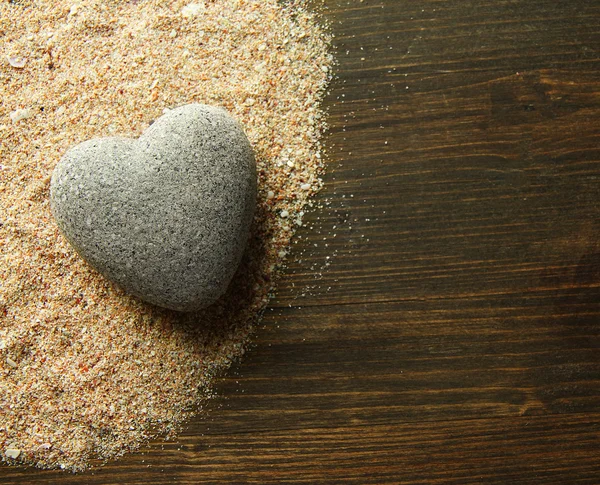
(166, 216)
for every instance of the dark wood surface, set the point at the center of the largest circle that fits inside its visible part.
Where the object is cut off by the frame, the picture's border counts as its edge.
(455, 336)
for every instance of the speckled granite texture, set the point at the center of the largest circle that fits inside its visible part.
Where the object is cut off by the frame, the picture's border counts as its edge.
(165, 216)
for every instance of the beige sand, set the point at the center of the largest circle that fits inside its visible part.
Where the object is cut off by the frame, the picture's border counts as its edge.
(87, 372)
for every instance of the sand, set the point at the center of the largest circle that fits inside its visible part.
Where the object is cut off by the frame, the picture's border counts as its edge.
(87, 372)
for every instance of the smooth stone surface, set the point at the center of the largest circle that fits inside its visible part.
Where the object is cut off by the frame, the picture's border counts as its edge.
(165, 216)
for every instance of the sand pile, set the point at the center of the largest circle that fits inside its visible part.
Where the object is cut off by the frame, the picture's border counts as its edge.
(87, 372)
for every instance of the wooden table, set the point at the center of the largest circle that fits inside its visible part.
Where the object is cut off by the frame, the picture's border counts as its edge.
(455, 336)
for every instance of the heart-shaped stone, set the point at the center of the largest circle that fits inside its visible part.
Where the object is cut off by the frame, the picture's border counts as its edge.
(166, 216)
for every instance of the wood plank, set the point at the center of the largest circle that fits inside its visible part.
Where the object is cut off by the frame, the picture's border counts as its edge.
(516, 450)
(468, 147)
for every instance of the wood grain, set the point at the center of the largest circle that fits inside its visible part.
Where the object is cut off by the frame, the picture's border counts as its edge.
(440, 320)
